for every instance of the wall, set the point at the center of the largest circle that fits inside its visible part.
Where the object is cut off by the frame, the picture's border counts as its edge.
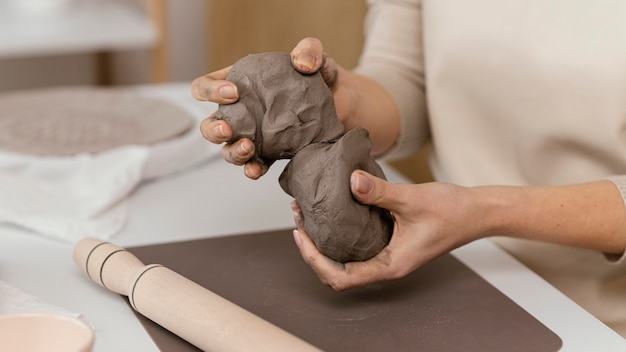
(187, 57)
(238, 28)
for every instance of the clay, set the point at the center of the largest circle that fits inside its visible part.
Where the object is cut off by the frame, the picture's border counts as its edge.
(318, 177)
(289, 115)
(279, 109)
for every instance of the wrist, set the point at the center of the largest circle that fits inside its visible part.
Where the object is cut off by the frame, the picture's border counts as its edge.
(491, 207)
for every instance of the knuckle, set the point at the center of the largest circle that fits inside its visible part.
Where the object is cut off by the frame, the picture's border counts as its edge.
(201, 88)
(334, 284)
(384, 192)
(229, 155)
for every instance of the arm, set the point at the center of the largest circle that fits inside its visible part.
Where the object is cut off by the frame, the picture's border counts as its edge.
(393, 57)
(589, 215)
(434, 218)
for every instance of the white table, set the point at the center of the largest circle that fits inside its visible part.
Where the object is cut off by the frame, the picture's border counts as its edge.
(216, 199)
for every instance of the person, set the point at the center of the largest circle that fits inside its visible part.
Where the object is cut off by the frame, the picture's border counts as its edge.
(525, 105)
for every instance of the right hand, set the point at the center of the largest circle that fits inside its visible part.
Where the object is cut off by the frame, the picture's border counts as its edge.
(430, 219)
(307, 57)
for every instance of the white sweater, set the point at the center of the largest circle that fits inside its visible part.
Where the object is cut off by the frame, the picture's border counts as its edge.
(518, 92)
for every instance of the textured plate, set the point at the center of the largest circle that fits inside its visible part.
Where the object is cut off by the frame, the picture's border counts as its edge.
(66, 121)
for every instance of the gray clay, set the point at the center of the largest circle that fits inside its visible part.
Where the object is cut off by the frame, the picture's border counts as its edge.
(279, 109)
(289, 115)
(318, 177)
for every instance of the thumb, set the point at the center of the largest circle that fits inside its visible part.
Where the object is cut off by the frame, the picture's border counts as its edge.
(308, 55)
(371, 190)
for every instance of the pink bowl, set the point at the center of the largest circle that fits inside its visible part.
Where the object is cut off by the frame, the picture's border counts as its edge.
(44, 332)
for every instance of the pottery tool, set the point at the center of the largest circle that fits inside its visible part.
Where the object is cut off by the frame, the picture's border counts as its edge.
(178, 304)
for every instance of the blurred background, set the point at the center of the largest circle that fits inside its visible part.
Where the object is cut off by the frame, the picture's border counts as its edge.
(46, 43)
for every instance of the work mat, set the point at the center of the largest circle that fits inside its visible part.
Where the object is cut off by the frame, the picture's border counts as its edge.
(443, 306)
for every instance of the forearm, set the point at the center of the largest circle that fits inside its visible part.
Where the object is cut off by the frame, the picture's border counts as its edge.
(589, 215)
(370, 107)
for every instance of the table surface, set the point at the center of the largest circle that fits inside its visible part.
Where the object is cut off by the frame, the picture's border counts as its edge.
(215, 199)
(82, 27)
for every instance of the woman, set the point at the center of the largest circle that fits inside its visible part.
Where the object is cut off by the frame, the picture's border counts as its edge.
(525, 104)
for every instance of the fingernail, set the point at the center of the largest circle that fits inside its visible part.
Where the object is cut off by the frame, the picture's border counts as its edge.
(227, 91)
(297, 219)
(218, 131)
(360, 183)
(296, 237)
(306, 60)
(243, 148)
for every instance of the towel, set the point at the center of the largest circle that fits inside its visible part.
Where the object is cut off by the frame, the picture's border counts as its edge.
(78, 192)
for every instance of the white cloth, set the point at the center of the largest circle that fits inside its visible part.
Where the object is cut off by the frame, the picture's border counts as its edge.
(85, 195)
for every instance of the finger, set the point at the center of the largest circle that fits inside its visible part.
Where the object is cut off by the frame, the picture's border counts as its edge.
(323, 266)
(329, 71)
(342, 276)
(216, 131)
(239, 152)
(254, 170)
(214, 87)
(308, 55)
(372, 190)
(298, 217)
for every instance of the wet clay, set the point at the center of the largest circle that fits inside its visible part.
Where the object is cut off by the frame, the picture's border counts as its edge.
(318, 177)
(289, 115)
(279, 109)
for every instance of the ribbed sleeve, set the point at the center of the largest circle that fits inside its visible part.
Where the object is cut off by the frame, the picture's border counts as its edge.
(392, 56)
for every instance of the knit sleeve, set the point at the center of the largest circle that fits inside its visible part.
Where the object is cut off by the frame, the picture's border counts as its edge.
(392, 56)
(620, 183)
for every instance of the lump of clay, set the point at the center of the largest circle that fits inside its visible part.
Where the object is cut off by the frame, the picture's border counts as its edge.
(279, 109)
(289, 115)
(318, 177)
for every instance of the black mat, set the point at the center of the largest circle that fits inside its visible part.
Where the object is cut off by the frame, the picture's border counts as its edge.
(443, 306)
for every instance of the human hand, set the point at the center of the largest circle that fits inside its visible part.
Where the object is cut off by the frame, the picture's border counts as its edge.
(215, 88)
(429, 220)
(307, 57)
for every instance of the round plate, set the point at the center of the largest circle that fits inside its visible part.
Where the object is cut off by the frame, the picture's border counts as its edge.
(67, 121)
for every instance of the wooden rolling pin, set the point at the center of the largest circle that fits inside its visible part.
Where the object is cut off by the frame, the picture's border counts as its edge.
(185, 308)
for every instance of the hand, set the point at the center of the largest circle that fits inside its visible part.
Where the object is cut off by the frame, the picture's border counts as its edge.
(307, 57)
(215, 88)
(429, 220)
